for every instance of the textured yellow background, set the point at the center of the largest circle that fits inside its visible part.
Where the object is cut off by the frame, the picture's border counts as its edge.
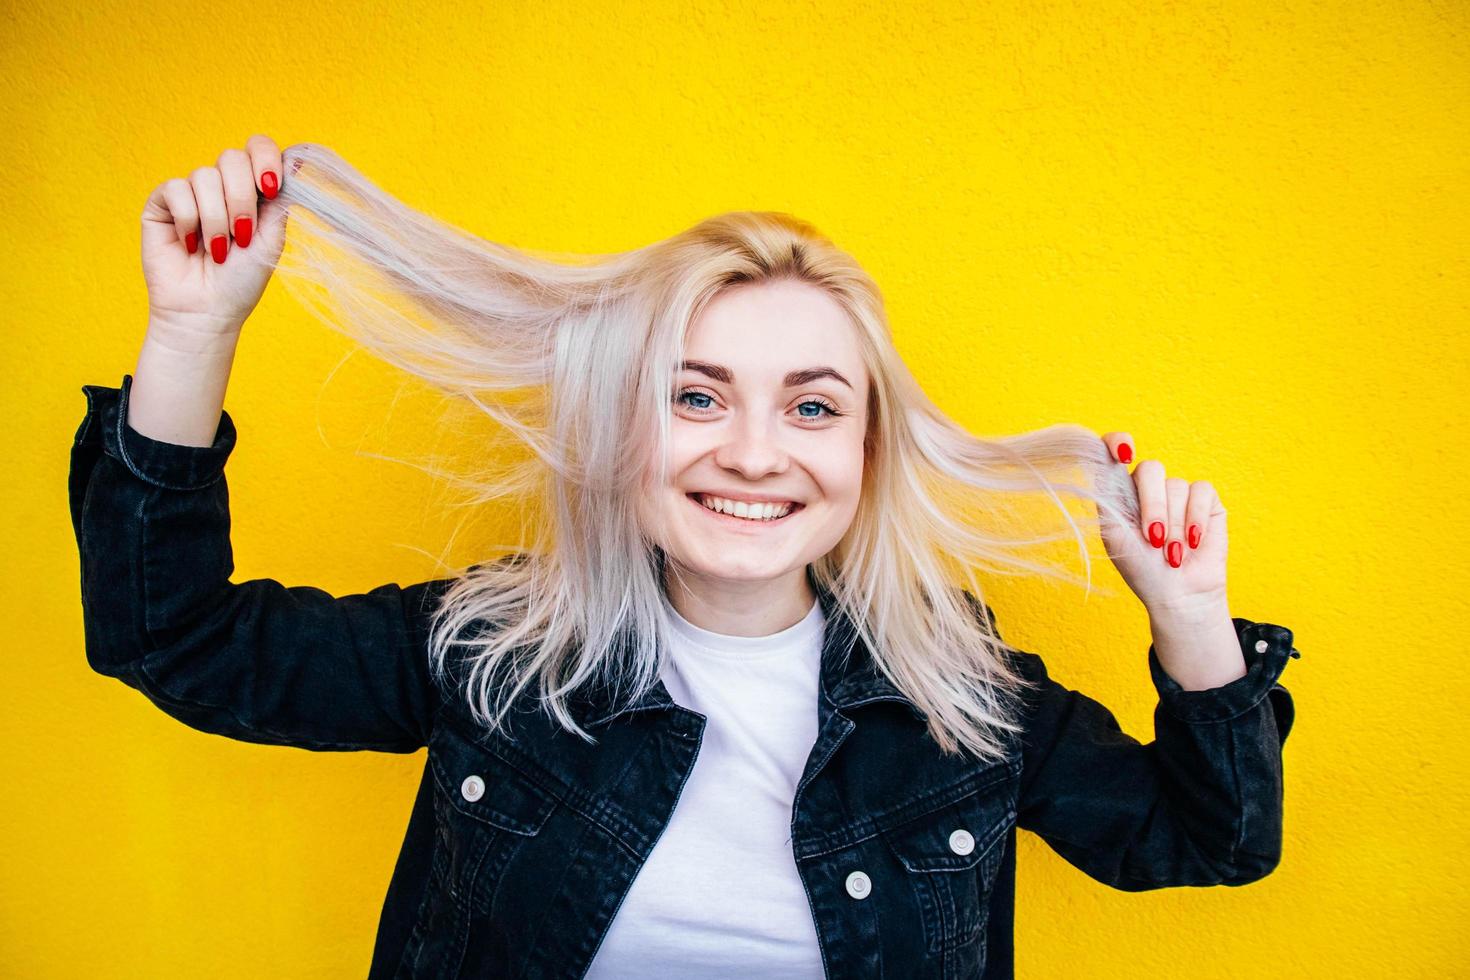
(1238, 231)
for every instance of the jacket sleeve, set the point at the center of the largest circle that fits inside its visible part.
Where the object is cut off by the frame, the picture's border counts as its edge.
(1199, 805)
(256, 661)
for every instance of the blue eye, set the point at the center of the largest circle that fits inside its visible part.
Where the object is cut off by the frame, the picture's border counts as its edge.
(821, 404)
(695, 394)
(831, 411)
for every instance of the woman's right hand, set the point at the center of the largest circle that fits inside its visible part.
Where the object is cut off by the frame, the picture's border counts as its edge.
(228, 214)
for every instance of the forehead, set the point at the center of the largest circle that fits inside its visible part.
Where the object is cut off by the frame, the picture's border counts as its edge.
(763, 330)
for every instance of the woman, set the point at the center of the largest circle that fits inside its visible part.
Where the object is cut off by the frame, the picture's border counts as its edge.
(736, 706)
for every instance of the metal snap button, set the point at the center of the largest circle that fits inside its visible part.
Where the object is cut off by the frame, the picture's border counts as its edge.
(961, 842)
(858, 885)
(1261, 646)
(472, 788)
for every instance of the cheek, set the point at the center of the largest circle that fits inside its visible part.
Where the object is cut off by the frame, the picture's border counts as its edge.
(841, 472)
(688, 453)
(684, 449)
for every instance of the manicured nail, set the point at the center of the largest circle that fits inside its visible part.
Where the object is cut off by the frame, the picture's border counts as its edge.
(1125, 452)
(242, 231)
(1194, 535)
(191, 241)
(269, 185)
(1156, 534)
(218, 246)
(1176, 553)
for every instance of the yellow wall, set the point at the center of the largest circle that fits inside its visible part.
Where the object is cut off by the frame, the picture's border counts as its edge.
(1238, 231)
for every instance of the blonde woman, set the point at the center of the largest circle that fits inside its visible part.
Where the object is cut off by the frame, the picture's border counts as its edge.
(735, 706)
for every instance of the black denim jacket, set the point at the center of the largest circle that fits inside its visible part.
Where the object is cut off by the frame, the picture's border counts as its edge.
(521, 846)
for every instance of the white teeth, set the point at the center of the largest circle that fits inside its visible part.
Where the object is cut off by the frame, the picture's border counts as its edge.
(739, 508)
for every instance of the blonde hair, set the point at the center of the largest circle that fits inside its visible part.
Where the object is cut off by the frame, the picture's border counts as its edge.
(574, 358)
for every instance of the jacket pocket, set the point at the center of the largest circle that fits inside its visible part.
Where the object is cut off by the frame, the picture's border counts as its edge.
(485, 812)
(951, 857)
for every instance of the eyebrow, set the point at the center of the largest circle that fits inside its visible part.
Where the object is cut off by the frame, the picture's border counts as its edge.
(724, 375)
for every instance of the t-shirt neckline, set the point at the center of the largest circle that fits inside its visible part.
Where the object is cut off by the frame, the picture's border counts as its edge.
(747, 647)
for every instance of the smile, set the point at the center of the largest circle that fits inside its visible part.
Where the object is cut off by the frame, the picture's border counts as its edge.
(765, 513)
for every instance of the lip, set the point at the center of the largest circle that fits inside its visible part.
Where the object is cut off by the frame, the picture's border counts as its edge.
(731, 521)
(748, 498)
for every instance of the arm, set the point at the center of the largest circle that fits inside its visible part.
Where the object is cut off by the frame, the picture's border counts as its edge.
(255, 661)
(1199, 805)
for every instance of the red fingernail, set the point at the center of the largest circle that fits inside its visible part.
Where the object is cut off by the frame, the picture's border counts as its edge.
(1194, 535)
(1176, 553)
(1156, 534)
(1125, 452)
(269, 185)
(191, 241)
(218, 245)
(242, 231)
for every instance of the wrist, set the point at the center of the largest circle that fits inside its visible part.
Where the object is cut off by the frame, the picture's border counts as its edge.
(1193, 613)
(192, 339)
(1201, 650)
(178, 390)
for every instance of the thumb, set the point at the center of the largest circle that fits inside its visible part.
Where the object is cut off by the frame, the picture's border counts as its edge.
(159, 230)
(270, 232)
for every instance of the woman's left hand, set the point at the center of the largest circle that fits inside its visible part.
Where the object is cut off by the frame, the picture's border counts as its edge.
(1174, 560)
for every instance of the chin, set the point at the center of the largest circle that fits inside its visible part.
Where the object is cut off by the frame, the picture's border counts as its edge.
(736, 571)
(733, 556)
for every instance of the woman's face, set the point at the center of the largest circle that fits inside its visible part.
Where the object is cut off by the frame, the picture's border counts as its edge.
(766, 365)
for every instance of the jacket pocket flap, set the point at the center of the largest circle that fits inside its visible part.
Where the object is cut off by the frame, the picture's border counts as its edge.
(958, 835)
(480, 784)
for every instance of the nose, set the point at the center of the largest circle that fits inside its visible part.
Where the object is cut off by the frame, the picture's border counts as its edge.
(752, 449)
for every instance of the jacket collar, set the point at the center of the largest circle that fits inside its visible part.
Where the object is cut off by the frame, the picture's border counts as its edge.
(849, 676)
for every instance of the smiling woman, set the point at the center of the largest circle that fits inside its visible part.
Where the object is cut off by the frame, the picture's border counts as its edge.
(755, 545)
(760, 364)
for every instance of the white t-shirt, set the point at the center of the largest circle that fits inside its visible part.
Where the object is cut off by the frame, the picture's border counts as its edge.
(719, 896)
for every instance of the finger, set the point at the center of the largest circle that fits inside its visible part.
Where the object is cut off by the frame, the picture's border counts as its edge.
(266, 163)
(209, 194)
(1153, 510)
(170, 215)
(1202, 501)
(1177, 490)
(1120, 446)
(239, 185)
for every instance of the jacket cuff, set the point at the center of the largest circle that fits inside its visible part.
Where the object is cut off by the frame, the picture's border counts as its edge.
(162, 464)
(1266, 648)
